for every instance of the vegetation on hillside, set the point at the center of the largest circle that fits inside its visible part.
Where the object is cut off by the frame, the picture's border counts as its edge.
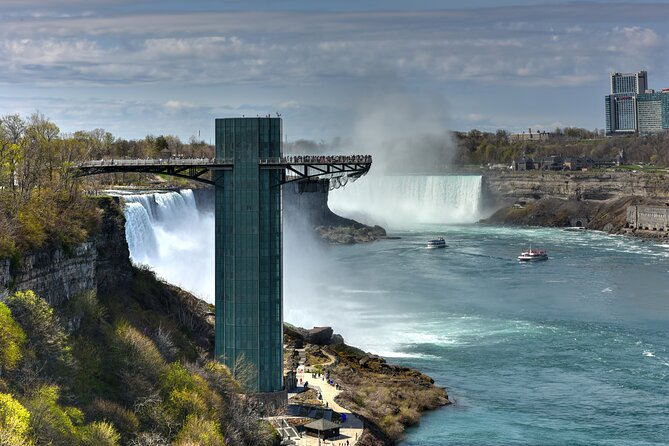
(391, 396)
(41, 202)
(113, 371)
(476, 147)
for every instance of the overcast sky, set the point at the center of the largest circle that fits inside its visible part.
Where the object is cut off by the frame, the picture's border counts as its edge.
(171, 67)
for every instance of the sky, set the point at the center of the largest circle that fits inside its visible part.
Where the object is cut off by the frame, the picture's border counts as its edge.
(171, 67)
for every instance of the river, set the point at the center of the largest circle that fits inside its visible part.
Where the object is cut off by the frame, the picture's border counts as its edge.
(570, 351)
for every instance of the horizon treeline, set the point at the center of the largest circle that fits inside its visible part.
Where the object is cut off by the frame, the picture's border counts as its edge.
(476, 147)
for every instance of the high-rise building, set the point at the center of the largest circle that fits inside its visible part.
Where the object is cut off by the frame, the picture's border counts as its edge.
(621, 104)
(633, 83)
(664, 101)
(249, 325)
(649, 112)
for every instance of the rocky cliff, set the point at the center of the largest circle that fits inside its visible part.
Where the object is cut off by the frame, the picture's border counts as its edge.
(305, 205)
(596, 200)
(506, 187)
(57, 274)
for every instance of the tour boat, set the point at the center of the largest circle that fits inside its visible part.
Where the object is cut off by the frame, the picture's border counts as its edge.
(436, 243)
(533, 255)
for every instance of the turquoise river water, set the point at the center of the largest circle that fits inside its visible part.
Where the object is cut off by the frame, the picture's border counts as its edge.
(570, 351)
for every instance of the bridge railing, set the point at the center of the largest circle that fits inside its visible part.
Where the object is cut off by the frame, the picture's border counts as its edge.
(153, 162)
(286, 159)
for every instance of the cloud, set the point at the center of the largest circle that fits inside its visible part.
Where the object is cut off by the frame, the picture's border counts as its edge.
(172, 49)
(178, 105)
(515, 46)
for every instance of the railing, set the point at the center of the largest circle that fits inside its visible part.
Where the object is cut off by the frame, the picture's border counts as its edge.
(318, 159)
(340, 169)
(154, 162)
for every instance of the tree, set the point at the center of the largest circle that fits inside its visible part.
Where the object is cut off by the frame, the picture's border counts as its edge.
(12, 339)
(52, 423)
(46, 337)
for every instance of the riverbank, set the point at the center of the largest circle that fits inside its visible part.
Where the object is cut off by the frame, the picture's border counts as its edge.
(387, 398)
(593, 200)
(609, 216)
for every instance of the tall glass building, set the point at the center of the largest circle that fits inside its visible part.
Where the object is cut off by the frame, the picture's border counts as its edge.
(664, 103)
(249, 322)
(621, 104)
(649, 111)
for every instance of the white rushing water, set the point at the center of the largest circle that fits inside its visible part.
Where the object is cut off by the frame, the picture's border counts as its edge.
(166, 231)
(405, 200)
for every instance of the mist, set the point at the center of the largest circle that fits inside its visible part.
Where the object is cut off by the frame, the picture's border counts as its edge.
(406, 133)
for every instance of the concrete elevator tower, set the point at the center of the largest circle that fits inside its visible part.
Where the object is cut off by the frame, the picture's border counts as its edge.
(249, 322)
(247, 175)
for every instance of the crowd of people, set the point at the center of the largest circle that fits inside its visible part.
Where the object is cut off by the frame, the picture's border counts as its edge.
(297, 159)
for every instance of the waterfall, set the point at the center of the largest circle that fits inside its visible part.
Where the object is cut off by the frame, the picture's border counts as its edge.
(167, 232)
(402, 201)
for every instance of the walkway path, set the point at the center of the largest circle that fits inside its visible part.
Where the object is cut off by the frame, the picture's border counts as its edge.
(351, 429)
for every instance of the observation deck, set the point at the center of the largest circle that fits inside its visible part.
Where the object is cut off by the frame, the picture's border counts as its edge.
(340, 169)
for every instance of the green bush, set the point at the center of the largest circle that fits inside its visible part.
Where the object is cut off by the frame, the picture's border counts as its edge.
(99, 433)
(12, 339)
(199, 431)
(137, 351)
(52, 423)
(49, 352)
(14, 422)
(124, 420)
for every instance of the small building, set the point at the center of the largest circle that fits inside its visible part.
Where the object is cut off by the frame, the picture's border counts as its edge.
(322, 429)
(290, 380)
(531, 136)
(552, 162)
(523, 163)
(577, 163)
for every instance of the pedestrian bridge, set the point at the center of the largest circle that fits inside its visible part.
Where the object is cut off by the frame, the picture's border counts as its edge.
(339, 169)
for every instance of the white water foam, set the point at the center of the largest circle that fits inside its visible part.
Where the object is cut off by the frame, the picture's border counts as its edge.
(167, 232)
(401, 201)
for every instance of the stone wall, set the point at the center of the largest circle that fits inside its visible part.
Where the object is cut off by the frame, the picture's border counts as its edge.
(652, 218)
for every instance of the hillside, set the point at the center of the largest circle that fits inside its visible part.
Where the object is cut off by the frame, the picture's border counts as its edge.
(127, 362)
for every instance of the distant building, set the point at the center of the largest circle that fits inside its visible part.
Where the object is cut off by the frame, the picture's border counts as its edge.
(523, 163)
(632, 83)
(649, 112)
(632, 108)
(531, 136)
(665, 108)
(653, 218)
(620, 105)
(577, 163)
(552, 162)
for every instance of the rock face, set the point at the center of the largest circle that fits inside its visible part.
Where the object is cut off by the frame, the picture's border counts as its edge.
(595, 200)
(60, 273)
(306, 205)
(317, 336)
(506, 187)
(55, 274)
(349, 235)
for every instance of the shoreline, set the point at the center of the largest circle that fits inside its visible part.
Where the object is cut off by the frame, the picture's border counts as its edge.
(384, 398)
(609, 216)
